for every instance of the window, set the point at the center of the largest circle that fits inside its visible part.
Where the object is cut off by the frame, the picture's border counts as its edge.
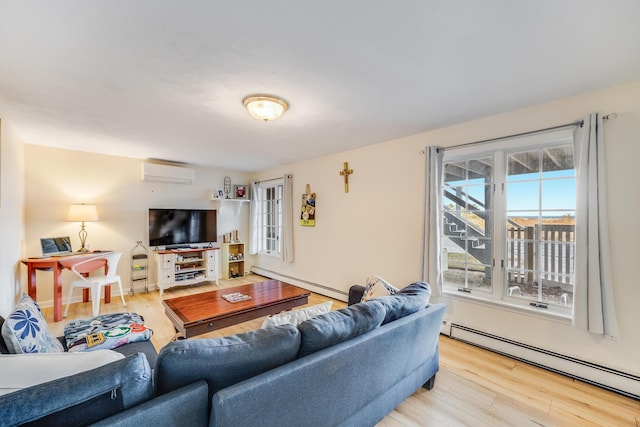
(269, 216)
(508, 221)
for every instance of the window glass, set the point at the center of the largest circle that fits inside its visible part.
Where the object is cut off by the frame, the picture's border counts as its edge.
(466, 239)
(269, 216)
(541, 269)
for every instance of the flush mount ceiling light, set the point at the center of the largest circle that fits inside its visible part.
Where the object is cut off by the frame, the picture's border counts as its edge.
(265, 107)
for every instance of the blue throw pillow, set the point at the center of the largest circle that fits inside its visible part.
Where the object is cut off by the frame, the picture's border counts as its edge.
(337, 326)
(26, 331)
(406, 301)
(222, 362)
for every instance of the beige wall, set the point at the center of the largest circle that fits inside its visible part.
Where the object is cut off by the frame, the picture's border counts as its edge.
(374, 228)
(11, 214)
(377, 227)
(56, 178)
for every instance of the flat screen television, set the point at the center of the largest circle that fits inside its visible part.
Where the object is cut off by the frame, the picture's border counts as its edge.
(182, 227)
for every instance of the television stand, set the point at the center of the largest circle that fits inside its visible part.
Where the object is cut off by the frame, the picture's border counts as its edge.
(185, 266)
(170, 247)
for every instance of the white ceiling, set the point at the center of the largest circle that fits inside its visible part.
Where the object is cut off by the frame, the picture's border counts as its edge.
(165, 79)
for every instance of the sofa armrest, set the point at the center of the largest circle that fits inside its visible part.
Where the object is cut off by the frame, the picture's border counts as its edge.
(355, 294)
(82, 398)
(145, 347)
(186, 406)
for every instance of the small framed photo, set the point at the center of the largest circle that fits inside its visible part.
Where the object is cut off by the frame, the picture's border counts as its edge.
(240, 191)
(220, 193)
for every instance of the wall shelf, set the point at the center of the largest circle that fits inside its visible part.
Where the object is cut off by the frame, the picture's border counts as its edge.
(234, 203)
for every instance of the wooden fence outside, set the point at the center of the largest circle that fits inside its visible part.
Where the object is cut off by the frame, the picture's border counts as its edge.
(551, 253)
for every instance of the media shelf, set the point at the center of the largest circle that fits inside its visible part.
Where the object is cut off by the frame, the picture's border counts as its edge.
(180, 267)
(233, 260)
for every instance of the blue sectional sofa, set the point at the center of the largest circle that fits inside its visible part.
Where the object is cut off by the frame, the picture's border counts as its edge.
(348, 367)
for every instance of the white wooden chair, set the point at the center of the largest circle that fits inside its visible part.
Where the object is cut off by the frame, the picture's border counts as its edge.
(97, 282)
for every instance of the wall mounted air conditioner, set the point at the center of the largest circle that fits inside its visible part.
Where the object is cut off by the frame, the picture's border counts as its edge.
(163, 173)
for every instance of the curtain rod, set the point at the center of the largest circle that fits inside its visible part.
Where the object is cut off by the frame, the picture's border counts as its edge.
(266, 181)
(288, 175)
(566, 125)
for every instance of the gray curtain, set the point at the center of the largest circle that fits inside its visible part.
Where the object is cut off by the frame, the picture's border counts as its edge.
(287, 219)
(594, 308)
(431, 262)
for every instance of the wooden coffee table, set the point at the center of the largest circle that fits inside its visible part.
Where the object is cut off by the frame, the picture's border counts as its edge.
(201, 313)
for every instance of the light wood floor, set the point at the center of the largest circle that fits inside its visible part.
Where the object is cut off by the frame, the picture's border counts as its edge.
(474, 387)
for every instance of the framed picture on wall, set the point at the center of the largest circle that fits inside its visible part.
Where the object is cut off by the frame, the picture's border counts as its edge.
(240, 191)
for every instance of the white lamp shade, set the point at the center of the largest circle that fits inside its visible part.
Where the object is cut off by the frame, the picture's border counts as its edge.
(82, 213)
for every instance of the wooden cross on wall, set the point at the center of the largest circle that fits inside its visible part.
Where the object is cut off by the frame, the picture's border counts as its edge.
(345, 173)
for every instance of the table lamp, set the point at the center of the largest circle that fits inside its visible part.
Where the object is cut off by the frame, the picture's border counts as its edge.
(82, 213)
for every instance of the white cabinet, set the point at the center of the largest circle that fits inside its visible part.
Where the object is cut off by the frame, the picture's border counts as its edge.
(182, 267)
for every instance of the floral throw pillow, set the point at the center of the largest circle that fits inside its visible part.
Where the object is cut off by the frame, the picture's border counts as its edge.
(26, 331)
(383, 288)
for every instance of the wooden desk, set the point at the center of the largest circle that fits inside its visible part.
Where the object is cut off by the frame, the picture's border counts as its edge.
(57, 264)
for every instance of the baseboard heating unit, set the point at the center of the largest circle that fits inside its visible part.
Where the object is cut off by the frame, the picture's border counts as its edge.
(305, 284)
(620, 382)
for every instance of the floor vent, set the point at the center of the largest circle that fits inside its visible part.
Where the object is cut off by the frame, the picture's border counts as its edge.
(618, 381)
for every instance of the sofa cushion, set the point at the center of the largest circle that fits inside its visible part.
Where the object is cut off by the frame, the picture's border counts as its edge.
(334, 327)
(187, 406)
(406, 301)
(295, 317)
(222, 362)
(20, 371)
(26, 331)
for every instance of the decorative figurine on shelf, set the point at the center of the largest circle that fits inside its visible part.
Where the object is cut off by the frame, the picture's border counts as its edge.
(227, 186)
